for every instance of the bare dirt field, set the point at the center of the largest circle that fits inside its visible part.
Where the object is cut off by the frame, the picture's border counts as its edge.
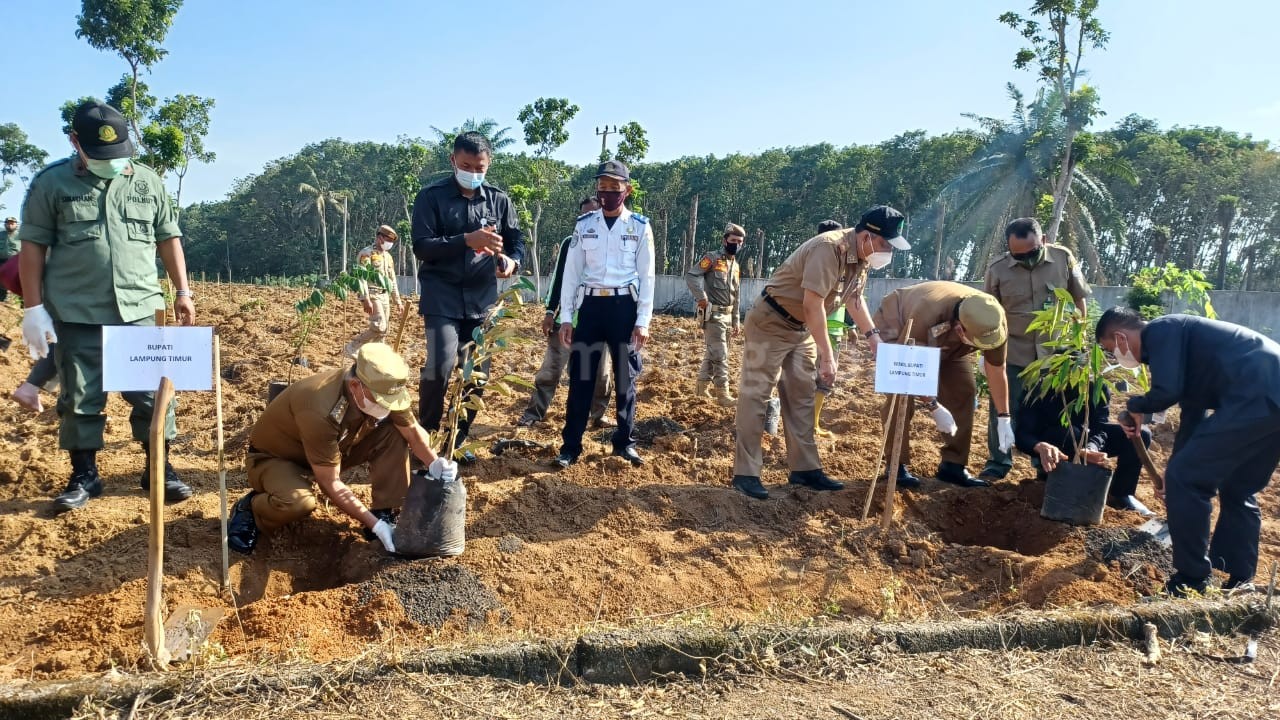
(548, 553)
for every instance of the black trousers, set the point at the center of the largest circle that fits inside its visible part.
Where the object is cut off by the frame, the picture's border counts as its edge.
(445, 339)
(1232, 456)
(603, 323)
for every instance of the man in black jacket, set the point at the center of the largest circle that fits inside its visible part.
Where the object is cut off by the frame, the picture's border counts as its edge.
(1039, 432)
(465, 234)
(557, 357)
(1205, 365)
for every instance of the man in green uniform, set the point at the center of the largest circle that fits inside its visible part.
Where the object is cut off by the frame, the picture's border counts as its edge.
(786, 336)
(101, 219)
(959, 320)
(9, 246)
(714, 282)
(1023, 280)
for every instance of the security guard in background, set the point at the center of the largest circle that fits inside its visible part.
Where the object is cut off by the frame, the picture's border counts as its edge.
(9, 246)
(101, 219)
(377, 304)
(714, 282)
(959, 320)
(787, 332)
(548, 377)
(1023, 280)
(608, 283)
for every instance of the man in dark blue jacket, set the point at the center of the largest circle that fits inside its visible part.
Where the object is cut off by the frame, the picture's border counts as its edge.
(1039, 432)
(1207, 366)
(465, 233)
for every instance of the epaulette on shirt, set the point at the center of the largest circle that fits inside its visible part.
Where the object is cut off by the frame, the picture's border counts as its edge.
(50, 166)
(584, 216)
(640, 218)
(999, 258)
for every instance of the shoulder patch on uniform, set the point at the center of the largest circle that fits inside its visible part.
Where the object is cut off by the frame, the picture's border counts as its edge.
(706, 262)
(640, 218)
(585, 215)
(50, 166)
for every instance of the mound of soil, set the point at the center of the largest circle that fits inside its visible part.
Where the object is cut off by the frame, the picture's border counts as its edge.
(549, 552)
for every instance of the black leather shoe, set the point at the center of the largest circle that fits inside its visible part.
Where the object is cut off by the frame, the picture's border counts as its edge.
(242, 529)
(468, 458)
(907, 480)
(83, 485)
(630, 455)
(388, 514)
(1180, 586)
(526, 421)
(1129, 503)
(959, 475)
(750, 486)
(815, 479)
(564, 460)
(174, 489)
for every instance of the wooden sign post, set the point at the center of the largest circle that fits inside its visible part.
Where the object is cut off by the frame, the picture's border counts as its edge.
(152, 620)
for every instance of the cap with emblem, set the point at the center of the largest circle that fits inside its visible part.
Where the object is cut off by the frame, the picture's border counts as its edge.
(614, 169)
(388, 231)
(101, 131)
(11, 219)
(983, 321)
(733, 229)
(385, 373)
(887, 223)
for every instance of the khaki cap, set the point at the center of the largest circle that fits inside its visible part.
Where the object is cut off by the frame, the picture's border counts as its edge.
(388, 231)
(983, 321)
(385, 373)
(11, 219)
(732, 229)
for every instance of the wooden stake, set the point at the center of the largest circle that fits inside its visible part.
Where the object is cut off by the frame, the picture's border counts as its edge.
(884, 449)
(222, 460)
(404, 322)
(152, 620)
(900, 423)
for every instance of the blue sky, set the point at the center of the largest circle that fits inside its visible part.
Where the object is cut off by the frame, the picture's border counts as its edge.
(701, 77)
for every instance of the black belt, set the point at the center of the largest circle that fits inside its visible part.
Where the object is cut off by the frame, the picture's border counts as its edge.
(779, 309)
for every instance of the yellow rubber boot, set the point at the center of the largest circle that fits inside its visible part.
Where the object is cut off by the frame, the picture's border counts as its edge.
(819, 399)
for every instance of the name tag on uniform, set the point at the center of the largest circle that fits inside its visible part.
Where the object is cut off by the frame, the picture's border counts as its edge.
(586, 235)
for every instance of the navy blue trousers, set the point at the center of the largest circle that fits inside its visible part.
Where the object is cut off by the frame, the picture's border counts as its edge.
(1231, 457)
(604, 323)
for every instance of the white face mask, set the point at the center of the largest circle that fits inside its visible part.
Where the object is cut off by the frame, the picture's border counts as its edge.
(878, 260)
(468, 180)
(370, 408)
(1125, 357)
(386, 246)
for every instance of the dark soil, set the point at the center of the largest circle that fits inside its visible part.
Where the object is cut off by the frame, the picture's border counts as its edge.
(432, 593)
(1137, 554)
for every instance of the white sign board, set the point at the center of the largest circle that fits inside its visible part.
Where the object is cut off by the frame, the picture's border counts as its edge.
(907, 370)
(134, 358)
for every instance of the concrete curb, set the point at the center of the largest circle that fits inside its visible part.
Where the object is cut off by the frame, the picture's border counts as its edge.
(636, 656)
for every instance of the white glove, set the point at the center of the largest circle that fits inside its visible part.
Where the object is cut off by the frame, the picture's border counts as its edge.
(441, 469)
(943, 419)
(1004, 428)
(37, 331)
(1157, 418)
(384, 531)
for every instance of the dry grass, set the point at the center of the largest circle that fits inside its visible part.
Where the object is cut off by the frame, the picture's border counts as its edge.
(1198, 676)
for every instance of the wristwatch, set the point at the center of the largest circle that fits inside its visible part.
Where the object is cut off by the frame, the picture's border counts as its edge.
(869, 333)
(185, 294)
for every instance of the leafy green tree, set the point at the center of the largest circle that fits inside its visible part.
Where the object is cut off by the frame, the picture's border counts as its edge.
(133, 29)
(1056, 43)
(544, 122)
(67, 111)
(319, 199)
(633, 143)
(17, 156)
(188, 115)
(132, 98)
(499, 138)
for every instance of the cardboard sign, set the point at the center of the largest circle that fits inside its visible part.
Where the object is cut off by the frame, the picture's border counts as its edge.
(907, 370)
(134, 358)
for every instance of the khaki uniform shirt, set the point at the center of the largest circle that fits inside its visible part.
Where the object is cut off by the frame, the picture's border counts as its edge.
(825, 264)
(932, 305)
(10, 244)
(716, 278)
(313, 423)
(382, 262)
(1023, 291)
(101, 237)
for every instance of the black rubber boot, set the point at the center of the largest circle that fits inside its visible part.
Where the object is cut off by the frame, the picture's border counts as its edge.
(84, 482)
(174, 489)
(242, 529)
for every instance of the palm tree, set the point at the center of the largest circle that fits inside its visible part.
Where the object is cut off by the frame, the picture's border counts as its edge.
(319, 200)
(499, 139)
(1012, 177)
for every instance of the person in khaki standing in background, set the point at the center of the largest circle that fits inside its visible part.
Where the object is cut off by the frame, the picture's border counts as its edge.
(1023, 280)
(786, 334)
(376, 301)
(714, 282)
(101, 219)
(959, 320)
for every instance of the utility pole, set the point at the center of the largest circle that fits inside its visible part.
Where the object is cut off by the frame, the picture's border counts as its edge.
(604, 134)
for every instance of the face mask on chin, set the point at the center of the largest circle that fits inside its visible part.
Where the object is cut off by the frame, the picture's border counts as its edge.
(107, 169)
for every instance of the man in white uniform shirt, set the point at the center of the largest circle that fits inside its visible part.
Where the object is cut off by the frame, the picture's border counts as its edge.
(606, 301)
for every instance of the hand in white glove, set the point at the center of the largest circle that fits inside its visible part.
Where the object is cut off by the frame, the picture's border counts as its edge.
(1004, 428)
(1157, 418)
(384, 531)
(441, 469)
(37, 331)
(945, 421)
